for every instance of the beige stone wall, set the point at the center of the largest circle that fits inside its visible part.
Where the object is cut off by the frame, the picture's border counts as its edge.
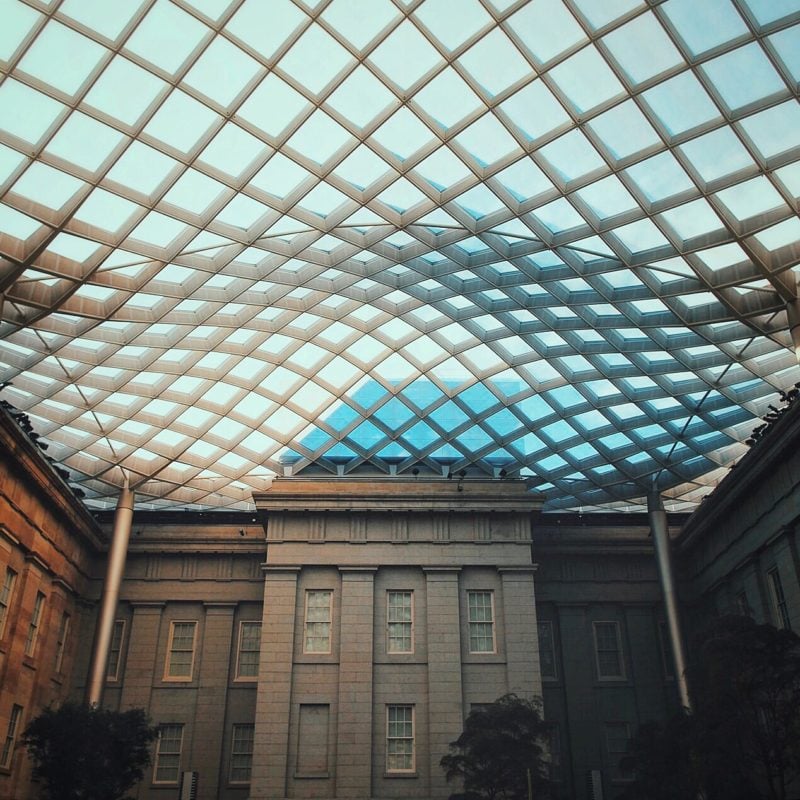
(360, 540)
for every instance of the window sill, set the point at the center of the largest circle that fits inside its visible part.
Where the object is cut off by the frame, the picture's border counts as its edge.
(413, 774)
(29, 662)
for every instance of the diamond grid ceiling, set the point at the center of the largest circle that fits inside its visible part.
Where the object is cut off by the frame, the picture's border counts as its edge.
(555, 239)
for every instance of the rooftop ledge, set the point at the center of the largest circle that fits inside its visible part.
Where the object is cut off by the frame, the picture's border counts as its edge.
(398, 494)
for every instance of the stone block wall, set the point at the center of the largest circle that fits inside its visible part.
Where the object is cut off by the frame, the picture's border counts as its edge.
(48, 545)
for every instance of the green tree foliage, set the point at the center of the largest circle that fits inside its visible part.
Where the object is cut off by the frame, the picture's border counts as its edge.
(85, 753)
(742, 741)
(501, 745)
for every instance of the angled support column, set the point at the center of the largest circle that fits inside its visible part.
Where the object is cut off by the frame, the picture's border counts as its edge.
(660, 532)
(793, 312)
(115, 568)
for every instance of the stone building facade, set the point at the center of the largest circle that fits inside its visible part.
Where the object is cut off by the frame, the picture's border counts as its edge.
(330, 643)
(49, 545)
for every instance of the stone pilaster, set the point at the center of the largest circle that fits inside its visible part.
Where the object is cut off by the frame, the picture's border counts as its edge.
(273, 699)
(209, 725)
(521, 636)
(141, 667)
(445, 700)
(354, 747)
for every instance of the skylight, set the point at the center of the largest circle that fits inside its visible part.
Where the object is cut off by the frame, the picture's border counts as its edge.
(534, 236)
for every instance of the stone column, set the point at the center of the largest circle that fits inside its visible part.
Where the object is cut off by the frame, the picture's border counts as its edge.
(445, 695)
(521, 638)
(209, 723)
(354, 733)
(274, 695)
(140, 665)
(115, 569)
(658, 527)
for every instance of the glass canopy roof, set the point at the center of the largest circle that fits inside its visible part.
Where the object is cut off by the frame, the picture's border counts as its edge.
(554, 239)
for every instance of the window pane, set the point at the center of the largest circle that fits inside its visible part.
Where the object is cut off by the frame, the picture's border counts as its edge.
(242, 753)
(181, 655)
(114, 652)
(608, 648)
(11, 736)
(399, 738)
(399, 618)
(249, 649)
(481, 622)
(547, 656)
(318, 622)
(33, 627)
(6, 594)
(168, 754)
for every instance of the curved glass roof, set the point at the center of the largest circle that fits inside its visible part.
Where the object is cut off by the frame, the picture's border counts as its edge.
(556, 239)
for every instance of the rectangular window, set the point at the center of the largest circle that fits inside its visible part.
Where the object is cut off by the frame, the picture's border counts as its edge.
(481, 622)
(617, 736)
(399, 622)
(608, 650)
(6, 596)
(11, 736)
(242, 753)
(400, 738)
(167, 766)
(780, 610)
(666, 650)
(249, 649)
(33, 627)
(317, 629)
(115, 650)
(61, 641)
(547, 650)
(180, 658)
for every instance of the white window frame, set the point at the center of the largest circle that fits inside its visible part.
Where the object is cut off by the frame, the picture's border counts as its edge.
(390, 647)
(328, 637)
(61, 640)
(780, 610)
(115, 648)
(391, 736)
(161, 753)
(244, 756)
(239, 650)
(7, 598)
(546, 631)
(618, 650)
(11, 736)
(474, 623)
(34, 625)
(171, 651)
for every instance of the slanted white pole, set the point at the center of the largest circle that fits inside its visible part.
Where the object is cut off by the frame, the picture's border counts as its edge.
(115, 569)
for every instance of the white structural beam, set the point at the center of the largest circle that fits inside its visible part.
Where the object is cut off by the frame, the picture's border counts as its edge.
(661, 542)
(115, 569)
